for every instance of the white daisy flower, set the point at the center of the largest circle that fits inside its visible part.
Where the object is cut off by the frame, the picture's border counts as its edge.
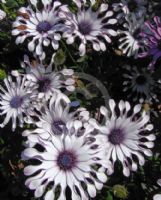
(130, 42)
(158, 196)
(41, 26)
(88, 26)
(125, 134)
(139, 84)
(54, 116)
(69, 163)
(15, 100)
(47, 80)
(135, 8)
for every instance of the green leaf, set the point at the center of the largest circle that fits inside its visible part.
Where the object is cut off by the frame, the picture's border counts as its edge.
(109, 196)
(2, 74)
(80, 84)
(12, 4)
(60, 57)
(82, 59)
(1, 141)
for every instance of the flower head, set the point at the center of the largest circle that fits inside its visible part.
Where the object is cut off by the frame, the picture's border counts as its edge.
(54, 117)
(130, 7)
(139, 83)
(69, 163)
(46, 80)
(42, 27)
(151, 33)
(130, 40)
(88, 26)
(120, 191)
(16, 100)
(125, 134)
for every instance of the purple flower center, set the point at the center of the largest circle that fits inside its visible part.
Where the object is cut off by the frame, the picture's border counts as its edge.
(141, 80)
(43, 27)
(58, 127)
(66, 160)
(132, 5)
(44, 84)
(116, 136)
(85, 27)
(16, 102)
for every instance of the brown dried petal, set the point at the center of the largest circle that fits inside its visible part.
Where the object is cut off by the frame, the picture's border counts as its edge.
(24, 15)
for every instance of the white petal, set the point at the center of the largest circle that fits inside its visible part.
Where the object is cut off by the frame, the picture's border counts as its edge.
(49, 195)
(102, 177)
(69, 81)
(82, 49)
(137, 108)
(67, 72)
(157, 197)
(103, 7)
(39, 191)
(126, 171)
(96, 46)
(34, 2)
(104, 111)
(77, 124)
(91, 190)
(112, 21)
(31, 46)
(159, 182)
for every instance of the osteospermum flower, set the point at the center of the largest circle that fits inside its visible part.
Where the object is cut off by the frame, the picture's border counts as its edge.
(53, 118)
(139, 84)
(125, 134)
(151, 34)
(130, 40)
(40, 26)
(15, 100)
(89, 27)
(69, 163)
(157, 196)
(135, 8)
(46, 80)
